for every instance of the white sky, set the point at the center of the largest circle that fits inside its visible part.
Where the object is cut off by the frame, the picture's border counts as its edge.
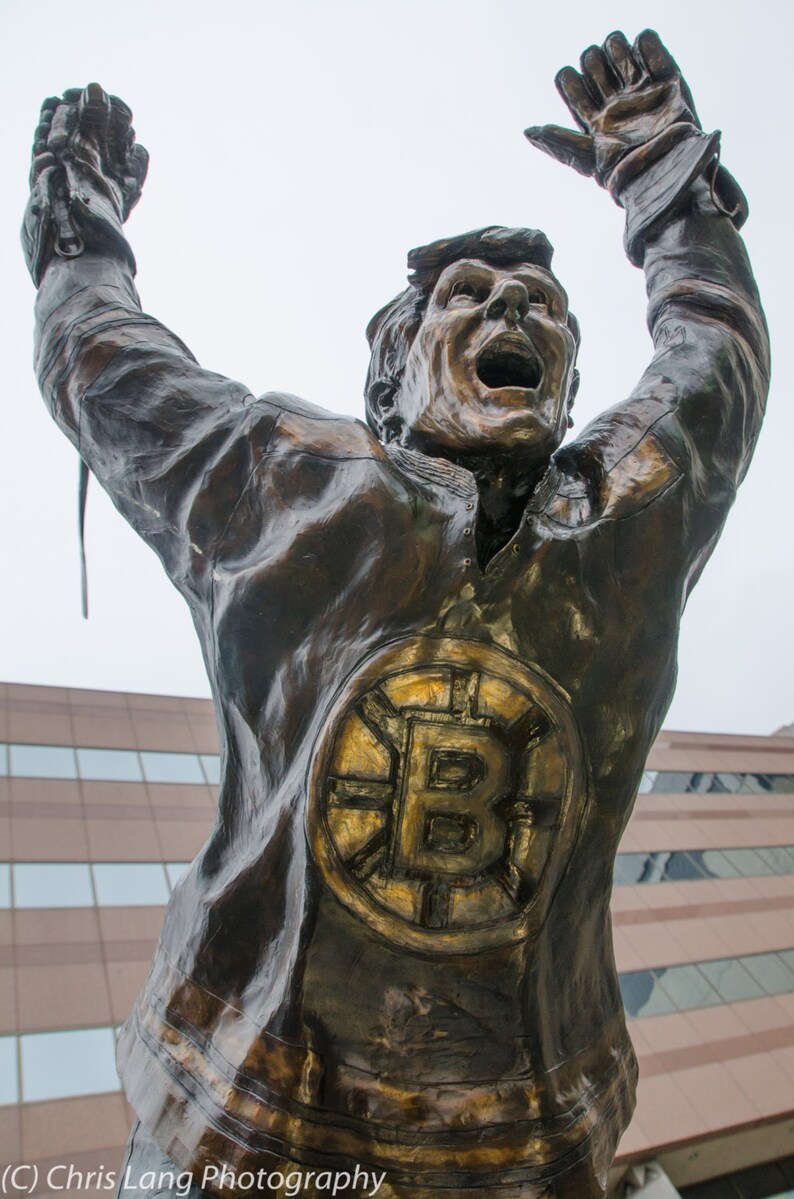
(297, 151)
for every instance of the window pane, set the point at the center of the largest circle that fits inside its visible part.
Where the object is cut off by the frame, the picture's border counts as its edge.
(783, 783)
(130, 884)
(175, 870)
(687, 987)
(59, 1064)
(52, 885)
(713, 863)
(754, 784)
(629, 867)
(655, 866)
(43, 762)
(780, 858)
(212, 767)
(642, 995)
(771, 971)
(112, 765)
(9, 1085)
(171, 768)
(787, 957)
(747, 862)
(731, 980)
(3, 759)
(670, 780)
(5, 885)
(682, 867)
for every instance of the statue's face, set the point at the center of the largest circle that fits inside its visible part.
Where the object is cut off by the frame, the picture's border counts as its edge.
(491, 366)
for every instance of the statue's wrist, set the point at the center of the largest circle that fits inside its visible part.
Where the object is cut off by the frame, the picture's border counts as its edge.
(657, 178)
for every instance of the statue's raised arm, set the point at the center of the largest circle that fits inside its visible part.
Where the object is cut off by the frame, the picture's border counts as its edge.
(158, 431)
(691, 423)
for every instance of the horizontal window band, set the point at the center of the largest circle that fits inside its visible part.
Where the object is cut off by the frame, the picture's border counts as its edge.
(91, 764)
(690, 865)
(87, 884)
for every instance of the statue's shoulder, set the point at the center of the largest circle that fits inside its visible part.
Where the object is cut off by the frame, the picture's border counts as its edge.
(619, 465)
(303, 426)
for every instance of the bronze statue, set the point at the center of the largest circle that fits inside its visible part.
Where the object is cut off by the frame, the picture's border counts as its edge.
(440, 648)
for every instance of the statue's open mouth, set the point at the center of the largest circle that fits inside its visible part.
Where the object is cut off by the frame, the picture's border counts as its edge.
(509, 364)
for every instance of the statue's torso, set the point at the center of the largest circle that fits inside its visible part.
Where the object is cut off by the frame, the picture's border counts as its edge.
(396, 946)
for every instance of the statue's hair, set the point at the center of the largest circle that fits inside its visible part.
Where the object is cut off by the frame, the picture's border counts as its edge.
(392, 330)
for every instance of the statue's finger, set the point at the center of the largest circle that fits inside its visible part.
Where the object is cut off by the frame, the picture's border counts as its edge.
(652, 52)
(41, 137)
(573, 90)
(72, 95)
(122, 135)
(63, 122)
(619, 54)
(120, 110)
(41, 163)
(566, 145)
(597, 74)
(48, 108)
(94, 112)
(660, 64)
(138, 163)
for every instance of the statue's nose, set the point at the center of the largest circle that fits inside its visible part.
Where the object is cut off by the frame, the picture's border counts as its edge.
(509, 300)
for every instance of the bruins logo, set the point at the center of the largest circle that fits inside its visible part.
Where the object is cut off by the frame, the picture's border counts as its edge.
(445, 795)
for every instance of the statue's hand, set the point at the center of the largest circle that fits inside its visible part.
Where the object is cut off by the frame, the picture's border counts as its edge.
(86, 176)
(626, 98)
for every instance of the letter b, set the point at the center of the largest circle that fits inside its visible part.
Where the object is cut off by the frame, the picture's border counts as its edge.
(452, 776)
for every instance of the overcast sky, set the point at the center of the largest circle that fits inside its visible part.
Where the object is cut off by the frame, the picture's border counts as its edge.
(297, 151)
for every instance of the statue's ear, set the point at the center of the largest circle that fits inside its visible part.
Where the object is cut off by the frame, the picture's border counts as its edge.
(572, 390)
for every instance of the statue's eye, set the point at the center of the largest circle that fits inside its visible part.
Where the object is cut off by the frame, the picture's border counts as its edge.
(538, 299)
(463, 293)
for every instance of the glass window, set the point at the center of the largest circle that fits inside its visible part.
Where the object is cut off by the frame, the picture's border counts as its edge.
(56, 1065)
(52, 885)
(642, 995)
(771, 972)
(655, 866)
(9, 1083)
(171, 768)
(787, 957)
(3, 759)
(687, 987)
(779, 857)
(783, 783)
(43, 761)
(747, 862)
(629, 867)
(212, 767)
(681, 867)
(709, 783)
(731, 980)
(713, 863)
(110, 765)
(130, 884)
(175, 870)
(5, 885)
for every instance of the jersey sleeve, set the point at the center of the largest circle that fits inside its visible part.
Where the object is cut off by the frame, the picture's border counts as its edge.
(687, 432)
(172, 443)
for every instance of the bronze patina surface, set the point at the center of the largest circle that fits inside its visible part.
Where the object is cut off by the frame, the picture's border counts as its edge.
(440, 647)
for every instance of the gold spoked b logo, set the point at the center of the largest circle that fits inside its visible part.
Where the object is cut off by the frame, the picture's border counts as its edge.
(446, 791)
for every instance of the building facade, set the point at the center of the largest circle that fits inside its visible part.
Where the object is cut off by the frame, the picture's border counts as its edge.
(105, 797)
